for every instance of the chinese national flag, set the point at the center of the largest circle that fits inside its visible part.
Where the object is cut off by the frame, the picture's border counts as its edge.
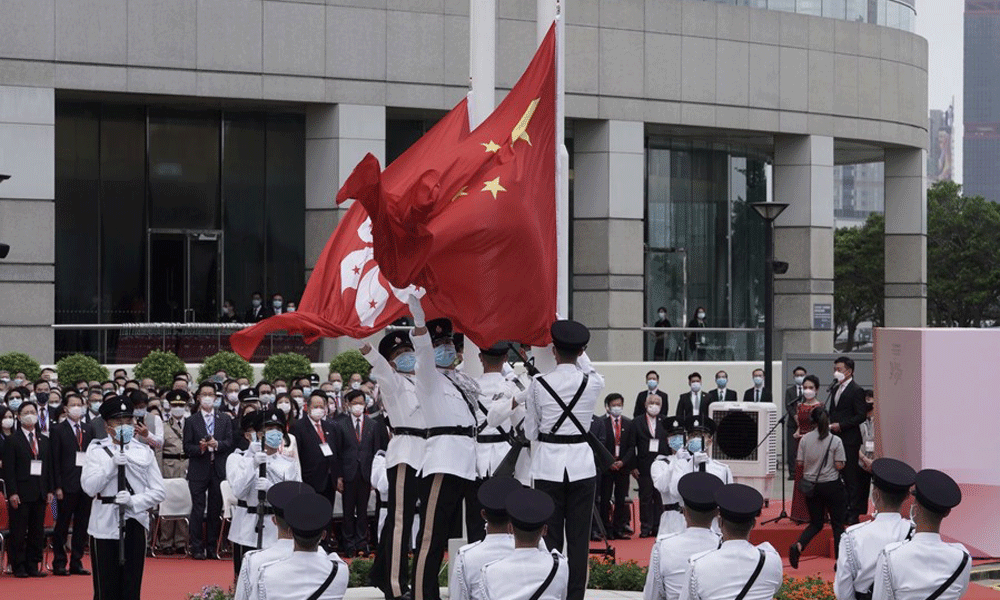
(468, 217)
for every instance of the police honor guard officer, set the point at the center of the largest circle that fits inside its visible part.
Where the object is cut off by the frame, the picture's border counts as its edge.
(925, 567)
(498, 542)
(562, 462)
(861, 544)
(143, 489)
(665, 473)
(528, 572)
(696, 456)
(668, 561)
(491, 442)
(278, 497)
(508, 414)
(737, 570)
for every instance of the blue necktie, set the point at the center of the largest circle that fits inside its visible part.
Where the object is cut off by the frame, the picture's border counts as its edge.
(210, 426)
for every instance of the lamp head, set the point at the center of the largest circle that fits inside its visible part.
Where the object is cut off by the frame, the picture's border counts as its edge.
(769, 210)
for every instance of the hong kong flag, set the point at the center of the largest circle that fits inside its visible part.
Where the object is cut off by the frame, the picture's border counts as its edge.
(469, 218)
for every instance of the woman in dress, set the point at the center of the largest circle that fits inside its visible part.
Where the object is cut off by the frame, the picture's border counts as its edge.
(807, 402)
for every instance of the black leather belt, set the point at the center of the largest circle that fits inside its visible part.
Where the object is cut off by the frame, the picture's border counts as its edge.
(676, 506)
(105, 499)
(410, 431)
(175, 456)
(863, 595)
(550, 438)
(253, 510)
(494, 438)
(460, 431)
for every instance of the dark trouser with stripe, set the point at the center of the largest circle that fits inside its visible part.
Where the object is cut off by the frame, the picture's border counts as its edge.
(114, 582)
(830, 498)
(73, 508)
(440, 502)
(574, 511)
(475, 526)
(650, 503)
(390, 570)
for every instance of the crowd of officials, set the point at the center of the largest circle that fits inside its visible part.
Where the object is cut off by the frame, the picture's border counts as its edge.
(535, 471)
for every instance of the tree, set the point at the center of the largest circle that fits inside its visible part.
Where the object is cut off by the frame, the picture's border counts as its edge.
(963, 258)
(858, 277)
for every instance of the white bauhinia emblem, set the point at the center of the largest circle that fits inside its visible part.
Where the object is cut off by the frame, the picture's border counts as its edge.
(358, 270)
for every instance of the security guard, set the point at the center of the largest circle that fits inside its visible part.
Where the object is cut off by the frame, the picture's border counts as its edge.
(737, 569)
(664, 471)
(309, 572)
(392, 367)
(447, 398)
(278, 497)
(141, 490)
(529, 571)
(497, 543)
(558, 404)
(925, 566)
(862, 544)
(668, 561)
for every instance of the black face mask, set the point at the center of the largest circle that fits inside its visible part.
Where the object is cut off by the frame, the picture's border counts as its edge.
(42, 397)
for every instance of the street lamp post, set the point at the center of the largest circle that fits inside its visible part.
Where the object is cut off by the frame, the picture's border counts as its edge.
(769, 211)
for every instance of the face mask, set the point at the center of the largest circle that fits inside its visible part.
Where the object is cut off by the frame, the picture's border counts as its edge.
(253, 437)
(18, 382)
(338, 385)
(207, 402)
(307, 391)
(300, 400)
(5, 379)
(676, 442)
(653, 410)
(721, 382)
(177, 412)
(14, 403)
(661, 314)
(29, 420)
(290, 309)
(616, 411)
(217, 402)
(280, 389)
(255, 302)
(276, 304)
(405, 362)
(42, 397)
(285, 407)
(701, 315)
(232, 397)
(696, 386)
(357, 410)
(808, 393)
(444, 355)
(267, 398)
(55, 404)
(369, 401)
(355, 385)
(839, 376)
(228, 311)
(121, 391)
(651, 384)
(139, 413)
(317, 413)
(758, 381)
(273, 437)
(124, 433)
(799, 379)
(694, 445)
(95, 407)
(7, 423)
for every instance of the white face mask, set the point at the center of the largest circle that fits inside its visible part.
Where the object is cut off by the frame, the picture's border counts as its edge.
(696, 386)
(661, 314)
(701, 315)
(355, 385)
(839, 376)
(616, 411)
(75, 412)
(338, 385)
(799, 379)
(280, 389)
(285, 407)
(653, 410)
(357, 410)
(29, 420)
(207, 402)
(317, 413)
(8, 423)
(808, 393)
(177, 412)
(232, 397)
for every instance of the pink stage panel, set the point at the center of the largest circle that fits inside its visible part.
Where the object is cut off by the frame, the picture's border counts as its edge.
(937, 407)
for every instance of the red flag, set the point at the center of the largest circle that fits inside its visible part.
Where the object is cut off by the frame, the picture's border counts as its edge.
(475, 222)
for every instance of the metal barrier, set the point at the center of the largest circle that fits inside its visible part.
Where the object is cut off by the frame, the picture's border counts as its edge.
(126, 343)
(703, 344)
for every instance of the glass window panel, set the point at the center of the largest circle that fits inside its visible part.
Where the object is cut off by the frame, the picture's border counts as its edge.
(835, 9)
(285, 205)
(893, 15)
(183, 169)
(784, 5)
(881, 17)
(809, 7)
(857, 10)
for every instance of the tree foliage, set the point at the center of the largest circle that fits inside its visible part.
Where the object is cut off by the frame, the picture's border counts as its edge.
(859, 277)
(160, 366)
(75, 367)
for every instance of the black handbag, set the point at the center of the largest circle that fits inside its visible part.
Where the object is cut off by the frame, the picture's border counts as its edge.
(808, 488)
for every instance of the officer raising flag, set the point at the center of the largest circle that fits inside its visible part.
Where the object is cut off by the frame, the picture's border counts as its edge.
(143, 490)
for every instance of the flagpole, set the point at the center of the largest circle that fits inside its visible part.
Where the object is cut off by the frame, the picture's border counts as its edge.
(482, 60)
(548, 11)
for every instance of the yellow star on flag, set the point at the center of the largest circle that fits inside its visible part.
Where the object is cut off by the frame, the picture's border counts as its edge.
(491, 147)
(460, 193)
(493, 187)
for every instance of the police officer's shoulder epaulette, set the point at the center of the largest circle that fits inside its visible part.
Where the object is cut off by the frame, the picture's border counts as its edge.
(701, 555)
(667, 536)
(890, 548)
(858, 526)
(469, 546)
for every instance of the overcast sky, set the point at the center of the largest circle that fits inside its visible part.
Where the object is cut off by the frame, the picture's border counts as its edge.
(942, 23)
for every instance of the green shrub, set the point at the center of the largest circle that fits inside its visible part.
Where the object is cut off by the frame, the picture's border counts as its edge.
(287, 366)
(80, 366)
(19, 362)
(360, 570)
(350, 362)
(160, 366)
(230, 362)
(625, 576)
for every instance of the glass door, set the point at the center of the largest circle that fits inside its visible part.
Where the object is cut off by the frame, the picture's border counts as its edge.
(185, 269)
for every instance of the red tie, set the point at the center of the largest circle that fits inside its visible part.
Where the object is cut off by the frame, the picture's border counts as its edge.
(79, 437)
(34, 444)
(319, 431)
(618, 432)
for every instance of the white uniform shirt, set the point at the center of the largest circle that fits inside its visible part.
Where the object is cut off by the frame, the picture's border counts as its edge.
(399, 398)
(472, 558)
(301, 574)
(860, 547)
(502, 413)
(521, 573)
(254, 561)
(99, 477)
(550, 462)
(380, 482)
(668, 561)
(913, 570)
(242, 476)
(443, 406)
(494, 387)
(721, 574)
(665, 479)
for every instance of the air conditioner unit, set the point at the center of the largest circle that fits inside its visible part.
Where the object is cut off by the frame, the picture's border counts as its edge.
(740, 428)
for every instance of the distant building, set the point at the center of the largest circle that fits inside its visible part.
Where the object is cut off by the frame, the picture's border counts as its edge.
(858, 191)
(982, 99)
(940, 147)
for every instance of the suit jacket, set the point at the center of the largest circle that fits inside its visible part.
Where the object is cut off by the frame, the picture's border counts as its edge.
(641, 434)
(201, 464)
(65, 473)
(17, 457)
(317, 470)
(258, 314)
(97, 428)
(850, 412)
(765, 395)
(626, 452)
(356, 456)
(640, 403)
(730, 396)
(684, 409)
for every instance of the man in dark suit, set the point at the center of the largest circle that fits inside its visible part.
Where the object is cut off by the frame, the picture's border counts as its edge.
(316, 438)
(652, 388)
(848, 410)
(69, 445)
(208, 441)
(650, 441)
(27, 473)
(757, 393)
(792, 395)
(722, 393)
(694, 400)
(359, 437)
(258, 311)
(614, 483)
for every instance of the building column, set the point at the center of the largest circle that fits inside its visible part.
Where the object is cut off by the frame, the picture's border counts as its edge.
(337, 137)
(905, 238)
(27, 216)
(607, 213)
(803, 237)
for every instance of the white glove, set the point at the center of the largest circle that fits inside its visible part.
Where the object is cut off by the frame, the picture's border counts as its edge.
(121, 459)
(123, 497)
(262, 484)
(417, 311)
(700, 458)
(683, 454)
(255, 447)
(259, 458)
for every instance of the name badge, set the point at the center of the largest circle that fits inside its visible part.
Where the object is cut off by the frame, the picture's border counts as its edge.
(870, 446)
(81, 457)
(36, 468)
(325, 449)
(654, 446)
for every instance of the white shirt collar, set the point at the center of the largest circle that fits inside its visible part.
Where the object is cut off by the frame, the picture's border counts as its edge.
(888, 516)
(209, 414)
(927, 537)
